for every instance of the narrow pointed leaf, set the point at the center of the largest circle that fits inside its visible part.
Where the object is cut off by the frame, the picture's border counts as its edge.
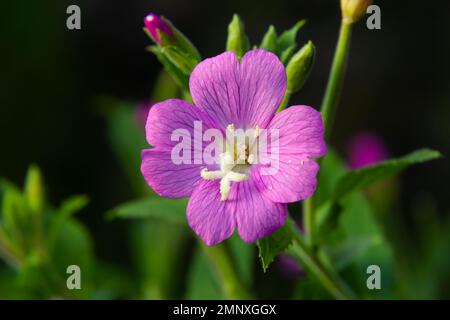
(359, 179)
(171, 210)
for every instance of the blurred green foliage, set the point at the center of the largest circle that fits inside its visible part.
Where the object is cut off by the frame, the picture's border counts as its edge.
(39, 242)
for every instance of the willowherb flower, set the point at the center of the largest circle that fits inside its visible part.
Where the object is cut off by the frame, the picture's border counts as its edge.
(366, 148)
(154, 24)
(236, 191)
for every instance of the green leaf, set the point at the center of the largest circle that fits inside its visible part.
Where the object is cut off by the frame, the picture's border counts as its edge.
(288, 38)
(73, 205)
(359, 179)
(73, 247)
(16, 214)
(158, 253)
(201, 281)
(356, 242)
(270, 41)
(243, 255)
(349, 235)
(278, 242)
(205, 281)
(172, 210)
(69, 207)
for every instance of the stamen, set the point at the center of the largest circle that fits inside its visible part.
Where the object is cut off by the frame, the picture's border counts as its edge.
(236, 176)
(224, 188)
(211, 175)
(257, 131)
(234, 164)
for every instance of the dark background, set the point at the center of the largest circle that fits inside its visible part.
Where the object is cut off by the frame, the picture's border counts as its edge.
(397, 85)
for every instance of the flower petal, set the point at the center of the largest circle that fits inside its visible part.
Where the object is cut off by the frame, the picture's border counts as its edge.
(214, 86)
(262, 87)
(256, 215)
(212, 219)
(170, 115)
(301, 131)
(300, 136)
(165, 177)
(245, 94)
(294, 180)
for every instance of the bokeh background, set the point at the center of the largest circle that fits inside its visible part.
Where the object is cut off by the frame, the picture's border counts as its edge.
(397, 86)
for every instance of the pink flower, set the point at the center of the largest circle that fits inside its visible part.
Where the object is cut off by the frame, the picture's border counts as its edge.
(366, 148)
(153, 24)
(230, 95)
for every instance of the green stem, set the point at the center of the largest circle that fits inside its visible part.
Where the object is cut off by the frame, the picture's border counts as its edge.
(336, 79)
(328, 278)
(223, 265)
(328, 110)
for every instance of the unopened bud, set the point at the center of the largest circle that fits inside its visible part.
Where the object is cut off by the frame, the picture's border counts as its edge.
(299, 67)
(34, 189)
(353, 10)
(237, 39)
(155, 25)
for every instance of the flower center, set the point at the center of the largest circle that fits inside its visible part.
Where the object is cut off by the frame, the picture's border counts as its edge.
(235, 160)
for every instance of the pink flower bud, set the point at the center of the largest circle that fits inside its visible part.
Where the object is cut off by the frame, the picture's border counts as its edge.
(153, 24)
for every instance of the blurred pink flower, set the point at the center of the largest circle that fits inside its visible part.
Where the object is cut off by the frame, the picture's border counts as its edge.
(366, 148)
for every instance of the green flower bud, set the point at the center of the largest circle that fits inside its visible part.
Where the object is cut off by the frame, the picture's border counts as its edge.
(177, 54)
(165, 34)
(299, 67)
(237, 40)
(34, 189)
(353, 10)
(269, 41)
